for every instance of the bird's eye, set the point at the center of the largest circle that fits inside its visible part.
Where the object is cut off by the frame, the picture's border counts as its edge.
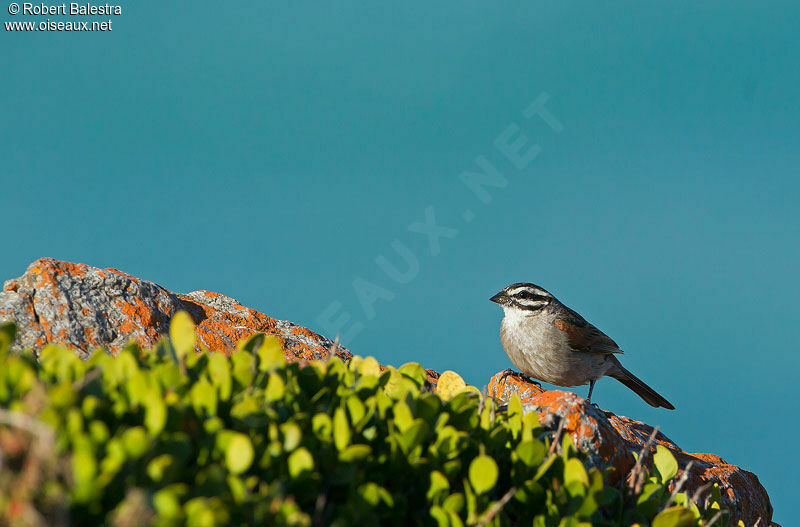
(530, 294)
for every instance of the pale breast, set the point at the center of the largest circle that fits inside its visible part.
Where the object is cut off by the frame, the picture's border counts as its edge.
(538, 349)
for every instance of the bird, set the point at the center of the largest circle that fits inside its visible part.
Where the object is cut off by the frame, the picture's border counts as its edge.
(548, 341)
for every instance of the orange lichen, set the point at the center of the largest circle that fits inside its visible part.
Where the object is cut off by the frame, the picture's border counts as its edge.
(88, 336)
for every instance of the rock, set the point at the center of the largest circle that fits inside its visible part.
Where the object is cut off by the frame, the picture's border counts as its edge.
(610, 440)
(83, 308)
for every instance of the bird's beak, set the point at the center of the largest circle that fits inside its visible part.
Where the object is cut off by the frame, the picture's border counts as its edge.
(498, 298)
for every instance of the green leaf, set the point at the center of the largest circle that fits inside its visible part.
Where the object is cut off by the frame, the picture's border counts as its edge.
(675, 516)
(530, 423)
(322, 426)
(455, 519)
(300, 461)
(403, 419)
(341, 429)
(135, 442)
(574, 472)
(155, 416)
(356, 409)
(251, 343)
(204, 397)
(438, 485)
(531, 452)
(292, 435)
(414, 371)
(181, 333)
(515, 414)
(440, 515)
(157, 467)
(270, 353)
(84, 466)
(245, 408)
(369, 366)
(220, 373)
(372, 493)
(454, 502)
(166, 503)
(239, 453)
(414, 435)
(354, 453)
(397, 384)
(483, 474)
(8, 332)
(243, 367)
(665, 464)
(275, 387)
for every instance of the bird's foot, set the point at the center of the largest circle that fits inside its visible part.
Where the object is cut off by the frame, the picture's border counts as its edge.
(519, 375)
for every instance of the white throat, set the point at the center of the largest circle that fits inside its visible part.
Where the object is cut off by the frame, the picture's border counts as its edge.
(515, 315)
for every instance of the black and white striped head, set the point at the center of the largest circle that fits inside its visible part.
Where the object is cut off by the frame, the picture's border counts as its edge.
(525, 296)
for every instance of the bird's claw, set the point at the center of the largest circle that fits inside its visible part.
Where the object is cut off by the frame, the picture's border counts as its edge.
(519, 375)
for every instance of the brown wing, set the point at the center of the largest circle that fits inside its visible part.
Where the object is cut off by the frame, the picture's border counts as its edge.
(585, 337)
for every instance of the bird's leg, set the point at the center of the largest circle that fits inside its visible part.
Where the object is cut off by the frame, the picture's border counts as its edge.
(591, 387)
(506, 373)
(526, 378)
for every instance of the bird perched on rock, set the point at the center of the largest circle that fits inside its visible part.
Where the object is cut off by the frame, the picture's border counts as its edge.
(550, 342)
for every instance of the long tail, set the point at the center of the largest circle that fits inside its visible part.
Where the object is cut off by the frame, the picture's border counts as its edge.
(630, 380)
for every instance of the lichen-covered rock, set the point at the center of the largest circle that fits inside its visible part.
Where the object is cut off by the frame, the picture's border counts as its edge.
(83, 307)
(610, 441)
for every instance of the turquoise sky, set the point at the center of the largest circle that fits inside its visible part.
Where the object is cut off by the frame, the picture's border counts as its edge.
(274, 151)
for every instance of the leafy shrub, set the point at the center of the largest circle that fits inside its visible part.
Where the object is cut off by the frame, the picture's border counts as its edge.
(169, 437)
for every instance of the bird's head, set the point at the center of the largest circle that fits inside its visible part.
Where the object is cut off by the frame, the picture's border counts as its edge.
(523, 296)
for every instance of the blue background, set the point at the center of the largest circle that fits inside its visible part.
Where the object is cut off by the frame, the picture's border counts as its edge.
(271, 152)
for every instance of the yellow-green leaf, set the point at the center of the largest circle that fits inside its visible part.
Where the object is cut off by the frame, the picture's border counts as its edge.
(438, 485)
(356, 409)
(413, 371)
(369, 366)
(321, 424)
(84, 465)
(675, 516)
(354, 453)
(449, 385)
(135, 441)
(300, 461)
(483, 474)
(275, 387)
(574, 472)
(270, 353)
(155, 415)
(204, 396)
(239, 453)
(341, 429)
(181, 332)
(219, 367)
(403, 419)
(292, 435)
(665, 464)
